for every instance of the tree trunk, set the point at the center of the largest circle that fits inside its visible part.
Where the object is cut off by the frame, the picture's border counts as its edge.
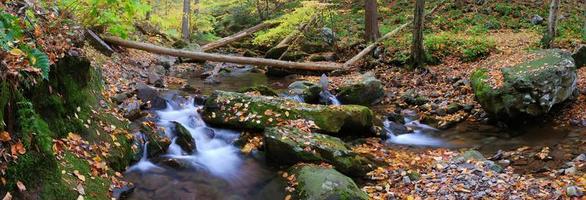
(371, 21)
(551, 23)
(370, 47)
(185, 20)
(236, 36)
(417, 51)
(322, 67)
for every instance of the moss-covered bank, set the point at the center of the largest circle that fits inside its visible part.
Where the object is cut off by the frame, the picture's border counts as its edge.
(69, 101)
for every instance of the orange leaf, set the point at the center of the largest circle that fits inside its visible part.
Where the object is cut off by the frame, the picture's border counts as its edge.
(20, 148)
(5, 136)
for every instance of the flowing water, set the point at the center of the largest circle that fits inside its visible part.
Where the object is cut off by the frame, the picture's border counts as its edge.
(216, 169)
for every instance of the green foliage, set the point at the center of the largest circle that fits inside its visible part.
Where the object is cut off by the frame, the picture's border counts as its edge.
(11, 39)
(288, 23)
(467, 48)
(115, 16)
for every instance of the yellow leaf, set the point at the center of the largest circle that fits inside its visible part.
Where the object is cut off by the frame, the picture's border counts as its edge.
(16, 52)
(5, 136)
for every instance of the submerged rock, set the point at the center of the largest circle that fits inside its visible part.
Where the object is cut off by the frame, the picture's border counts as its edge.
(184, 139)
(258, 112)
(317, 182)
(308, 91)
(287, 145)
(365, 91)
(531, 88)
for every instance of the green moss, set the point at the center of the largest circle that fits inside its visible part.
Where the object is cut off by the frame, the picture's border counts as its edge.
(4, 97)
(95, 187)
(317, 182)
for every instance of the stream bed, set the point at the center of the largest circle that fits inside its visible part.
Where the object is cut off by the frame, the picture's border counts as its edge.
(217, 169)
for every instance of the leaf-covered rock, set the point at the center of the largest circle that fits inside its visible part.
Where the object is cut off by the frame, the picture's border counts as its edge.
(364, 91)
(530, 88)
(258, 112)
(287, 145)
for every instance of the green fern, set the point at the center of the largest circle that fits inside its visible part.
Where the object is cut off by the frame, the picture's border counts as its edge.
(40, 60)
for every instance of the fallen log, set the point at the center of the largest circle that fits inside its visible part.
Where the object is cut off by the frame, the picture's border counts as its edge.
(98, 43)
(237, 36)
(372, 46)
(309, 66)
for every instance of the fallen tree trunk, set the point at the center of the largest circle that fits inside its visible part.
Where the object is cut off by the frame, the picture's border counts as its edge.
(222, 58)
(237, 36)
(371, 47)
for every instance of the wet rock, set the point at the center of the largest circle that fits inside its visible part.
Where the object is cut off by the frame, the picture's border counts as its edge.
(308, 91)
(175, 163)
(397, 128)
(469, 155)
(531, 88)
(158, 143)
(123, 193)
(579, 56)
(258, 112)
(366, 91)
(454, 107)
(262, 89)
(150, 96)
(132, 111)
(286, 145)
(199, 99)
(536, 20)
(316, 182)
(574, 191)
(155, 80)
(411, 97)
(120, 98)
(184, 138)
(190, 89)
(468, 107)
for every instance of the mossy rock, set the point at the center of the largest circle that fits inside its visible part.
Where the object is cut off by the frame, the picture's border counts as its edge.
(365, 91)
(317, 182)
(579, 56)
(308, 91)
(262, 89)
(239, 110)
(158, 143)
(276, 52)
(287, 145)
(184, 138)
(528, 89)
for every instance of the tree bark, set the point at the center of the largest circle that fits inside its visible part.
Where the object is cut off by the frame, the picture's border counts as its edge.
(185, 19)
(325, 67)
(372, 32)
(371, 47)
(417, 51)
(551, 23)
(236, 36)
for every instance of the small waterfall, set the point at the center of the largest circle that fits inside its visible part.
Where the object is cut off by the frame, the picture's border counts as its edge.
(418, 137)
(325, 95)
(143, 164)
(214, 150)
(295, 98)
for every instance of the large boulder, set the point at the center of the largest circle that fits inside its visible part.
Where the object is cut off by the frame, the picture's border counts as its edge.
(364, 91)
(531, 88)
(308, 91)
(317, 182)
(287, 145)
(258, 112)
